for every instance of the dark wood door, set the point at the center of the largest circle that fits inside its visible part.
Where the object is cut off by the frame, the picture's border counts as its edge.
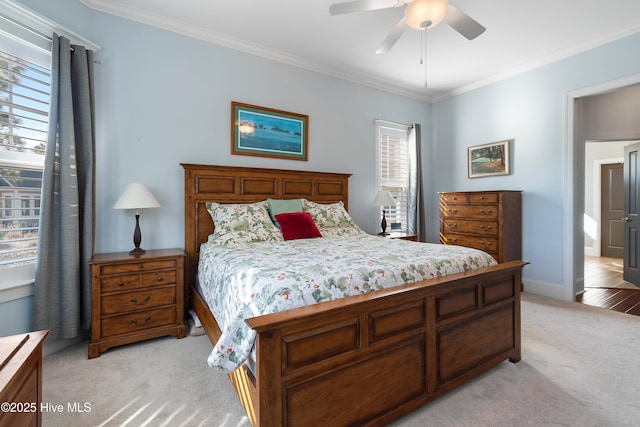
(631, 270)
(612, 210)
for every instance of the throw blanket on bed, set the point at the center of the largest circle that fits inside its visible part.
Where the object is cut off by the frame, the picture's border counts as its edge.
(247, 280)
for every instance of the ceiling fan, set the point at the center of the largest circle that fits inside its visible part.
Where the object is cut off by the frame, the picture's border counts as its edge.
(418, 14)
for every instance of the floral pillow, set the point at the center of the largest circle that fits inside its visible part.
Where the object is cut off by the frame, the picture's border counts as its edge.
(241, 223)
(332, 219)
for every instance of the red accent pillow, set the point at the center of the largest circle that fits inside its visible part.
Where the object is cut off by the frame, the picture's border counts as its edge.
(297, 225)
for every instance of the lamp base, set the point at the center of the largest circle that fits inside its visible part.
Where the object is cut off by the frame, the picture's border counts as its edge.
(383, 233)
(137, 238)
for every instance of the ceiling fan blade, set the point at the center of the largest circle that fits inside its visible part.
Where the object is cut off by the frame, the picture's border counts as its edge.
(462, 23)
(393, 36)
(363, 6)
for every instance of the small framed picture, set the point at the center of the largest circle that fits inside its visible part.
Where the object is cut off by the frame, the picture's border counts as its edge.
(265, 132)
(488, 159)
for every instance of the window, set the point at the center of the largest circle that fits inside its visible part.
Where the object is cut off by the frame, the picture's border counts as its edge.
(393, 171)
(24, 110)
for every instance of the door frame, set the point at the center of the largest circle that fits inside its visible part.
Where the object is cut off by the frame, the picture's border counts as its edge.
(573, 205)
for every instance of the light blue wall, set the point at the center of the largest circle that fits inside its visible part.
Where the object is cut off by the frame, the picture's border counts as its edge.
(163, 98)
(530, 110)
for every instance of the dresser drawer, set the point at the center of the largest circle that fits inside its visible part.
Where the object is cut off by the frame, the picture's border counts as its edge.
(141, 266)
(141, 320)
(131, 301)
(158, 278)
(454, 198)
(485, 228)
(470, 211)
(464, 198)
(487, 244)
(483, 198)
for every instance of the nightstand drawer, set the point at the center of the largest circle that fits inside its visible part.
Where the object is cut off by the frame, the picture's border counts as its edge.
(158, 278)
(131, 301)
(119, 283)
(139, 267)
(128, 323)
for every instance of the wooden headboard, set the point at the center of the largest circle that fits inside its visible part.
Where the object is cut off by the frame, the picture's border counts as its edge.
(231, 184)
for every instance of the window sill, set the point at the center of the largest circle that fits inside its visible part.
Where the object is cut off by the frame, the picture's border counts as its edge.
(15, 291)
(17, 282)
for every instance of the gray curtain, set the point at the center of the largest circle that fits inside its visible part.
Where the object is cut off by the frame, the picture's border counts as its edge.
(62, 294)
(416, 217)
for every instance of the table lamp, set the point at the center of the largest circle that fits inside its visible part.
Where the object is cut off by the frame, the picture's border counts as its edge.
(383, 198)
(136, 196)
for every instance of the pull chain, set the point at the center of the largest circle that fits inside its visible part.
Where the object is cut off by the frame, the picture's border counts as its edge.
(425, 57)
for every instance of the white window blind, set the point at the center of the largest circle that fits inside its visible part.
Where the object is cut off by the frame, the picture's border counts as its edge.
(393, 166)
(24, 112)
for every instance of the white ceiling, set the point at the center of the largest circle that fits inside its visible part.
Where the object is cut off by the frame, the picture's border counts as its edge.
(521, 35)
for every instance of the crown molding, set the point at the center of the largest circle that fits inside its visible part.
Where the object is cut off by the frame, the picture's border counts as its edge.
(145, 17)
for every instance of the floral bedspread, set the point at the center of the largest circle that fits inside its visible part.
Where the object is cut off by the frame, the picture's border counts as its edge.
(243, 281)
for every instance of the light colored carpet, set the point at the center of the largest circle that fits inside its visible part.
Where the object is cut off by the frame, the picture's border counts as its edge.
(579, 368)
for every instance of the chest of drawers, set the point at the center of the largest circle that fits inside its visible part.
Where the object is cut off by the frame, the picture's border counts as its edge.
(136, 297)
(486, 220)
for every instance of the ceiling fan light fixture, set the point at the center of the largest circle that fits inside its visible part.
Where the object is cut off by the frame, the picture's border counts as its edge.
(423, 14)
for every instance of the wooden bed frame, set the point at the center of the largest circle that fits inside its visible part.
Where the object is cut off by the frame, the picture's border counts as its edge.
(363, 360)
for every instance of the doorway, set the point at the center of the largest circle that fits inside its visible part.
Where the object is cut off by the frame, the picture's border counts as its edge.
(604, 211)
(601, 112)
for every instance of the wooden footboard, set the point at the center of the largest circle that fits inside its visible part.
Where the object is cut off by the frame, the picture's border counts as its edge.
(369, 359)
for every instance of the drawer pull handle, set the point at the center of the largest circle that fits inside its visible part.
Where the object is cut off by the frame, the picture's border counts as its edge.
(453, 211)
(160, 278)
(120, 283)
(487, 211)
(135, 321)
(483, 243)
(453, 240)
(135, 300)
(489, 227)
(140, 266)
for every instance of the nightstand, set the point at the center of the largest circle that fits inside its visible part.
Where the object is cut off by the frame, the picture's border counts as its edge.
(136, 297)
(403, 236)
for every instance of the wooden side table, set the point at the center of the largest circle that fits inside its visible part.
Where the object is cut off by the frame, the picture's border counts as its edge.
(136, 297)
(403, 236)
(21, 379)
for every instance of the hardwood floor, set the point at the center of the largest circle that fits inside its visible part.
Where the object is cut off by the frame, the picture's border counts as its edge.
(605, 288)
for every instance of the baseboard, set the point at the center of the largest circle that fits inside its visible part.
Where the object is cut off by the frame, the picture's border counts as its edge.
(550, 290)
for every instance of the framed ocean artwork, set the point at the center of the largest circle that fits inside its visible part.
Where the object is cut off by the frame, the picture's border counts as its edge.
(266, 132)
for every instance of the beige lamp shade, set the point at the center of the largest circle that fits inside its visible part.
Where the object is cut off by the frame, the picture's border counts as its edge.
(384, 198)
(136, 196)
